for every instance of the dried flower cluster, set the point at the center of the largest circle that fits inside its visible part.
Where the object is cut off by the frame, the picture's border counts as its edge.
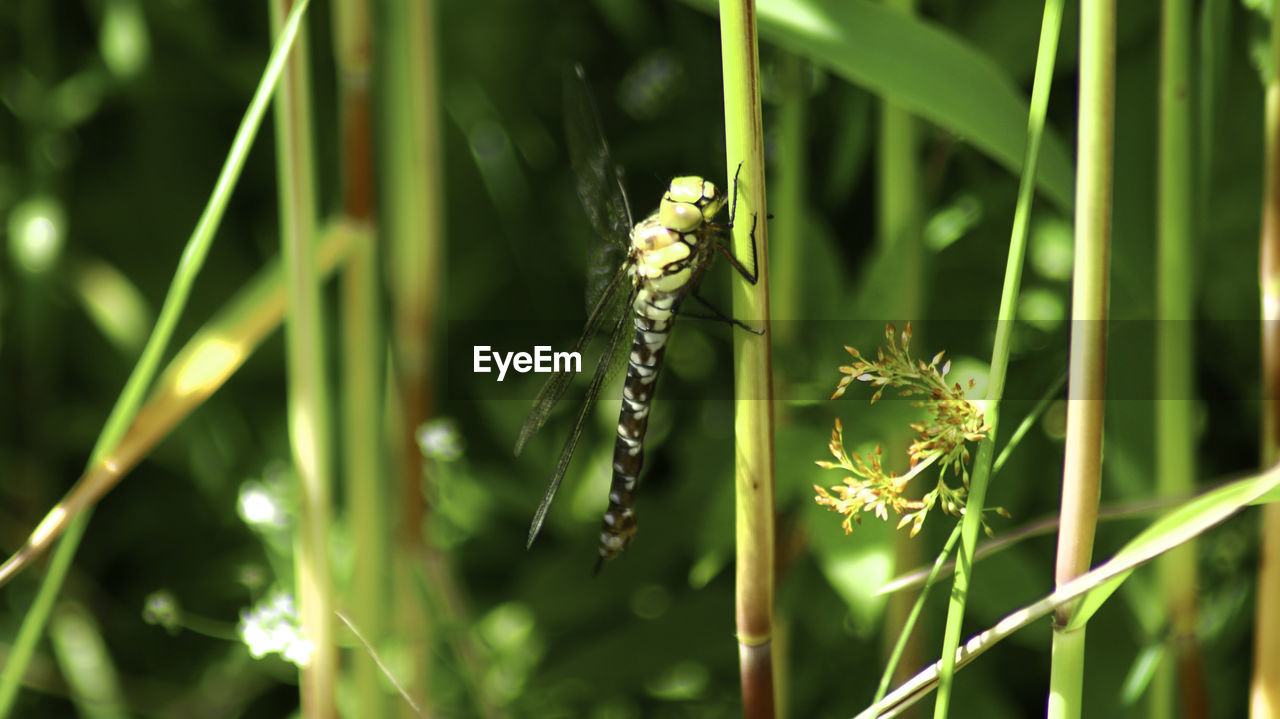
(954, 421)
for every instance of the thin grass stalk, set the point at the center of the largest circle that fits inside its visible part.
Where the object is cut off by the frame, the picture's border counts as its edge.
(898, 650)
(74, 519)
(362, 358)
(364, 466)
(1050, 27)
(1175, 357)
(1264, 690)
(412, 221)
(308, 396)
(900, 206)
(788, 190)
(353, 56)
(753, 386)
(900, 209)
(1215, 48)
(1082, 471)
(1264, 699)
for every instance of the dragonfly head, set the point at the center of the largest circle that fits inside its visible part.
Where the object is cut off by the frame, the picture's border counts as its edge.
(689, 202)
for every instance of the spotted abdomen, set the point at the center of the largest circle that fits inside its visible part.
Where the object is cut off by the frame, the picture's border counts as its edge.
(643, 366)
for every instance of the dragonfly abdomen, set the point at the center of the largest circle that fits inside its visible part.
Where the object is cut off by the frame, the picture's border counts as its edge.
(653, 316)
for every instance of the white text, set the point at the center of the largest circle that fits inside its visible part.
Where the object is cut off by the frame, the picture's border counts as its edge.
(542, 360)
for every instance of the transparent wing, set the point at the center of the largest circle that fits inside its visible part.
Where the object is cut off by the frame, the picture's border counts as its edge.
(599, 184)
(608, 306)
(602, 267)
(609, 289)
(603, 369)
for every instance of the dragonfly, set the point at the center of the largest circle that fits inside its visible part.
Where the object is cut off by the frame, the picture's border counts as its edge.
(659, 263)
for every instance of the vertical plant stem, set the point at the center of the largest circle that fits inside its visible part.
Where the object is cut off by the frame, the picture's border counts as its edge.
(353, 48)
(364, 468)
(789, 192)
(1050, 28)
(308, 401)
(900, 204)
(1264, 698)
(411, 171)
(1215, 48)
(1082, 471)
(900, 207)
(1175, 355)
(898, 650)
(753, 385)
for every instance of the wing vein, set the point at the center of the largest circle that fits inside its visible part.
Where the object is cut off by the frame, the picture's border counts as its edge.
(554, 389)
(566, 454)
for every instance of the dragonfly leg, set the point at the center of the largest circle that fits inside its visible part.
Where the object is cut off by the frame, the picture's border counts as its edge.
(751, 275)
(733, 208)
(718, 316)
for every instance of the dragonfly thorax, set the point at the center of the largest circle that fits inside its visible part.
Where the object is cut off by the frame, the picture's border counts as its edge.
(666, 247)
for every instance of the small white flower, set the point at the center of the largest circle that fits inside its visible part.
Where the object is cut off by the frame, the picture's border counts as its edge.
(260, 507)
(273, 626)
(439, 439)
(299, 652)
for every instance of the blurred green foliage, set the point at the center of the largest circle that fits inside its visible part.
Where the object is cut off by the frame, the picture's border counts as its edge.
(116, 117)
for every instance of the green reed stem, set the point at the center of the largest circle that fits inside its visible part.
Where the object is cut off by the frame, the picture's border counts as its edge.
(1174, 409)
(309, 401)
(362, 434)
(1082, 471)
(1001, 347)
(753, 387)
(1264, 696)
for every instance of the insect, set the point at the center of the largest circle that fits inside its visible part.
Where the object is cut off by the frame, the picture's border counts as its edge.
(664, 257)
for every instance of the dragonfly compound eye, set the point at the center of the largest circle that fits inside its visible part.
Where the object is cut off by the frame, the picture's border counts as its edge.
(679, 216)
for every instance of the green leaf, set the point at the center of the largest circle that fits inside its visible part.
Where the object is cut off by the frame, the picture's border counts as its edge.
(1191, 519)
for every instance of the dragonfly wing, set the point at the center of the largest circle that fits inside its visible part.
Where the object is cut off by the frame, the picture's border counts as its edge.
(610, 291)
(603, 370)
(606, 306)
(599, 183)
(602, 266)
